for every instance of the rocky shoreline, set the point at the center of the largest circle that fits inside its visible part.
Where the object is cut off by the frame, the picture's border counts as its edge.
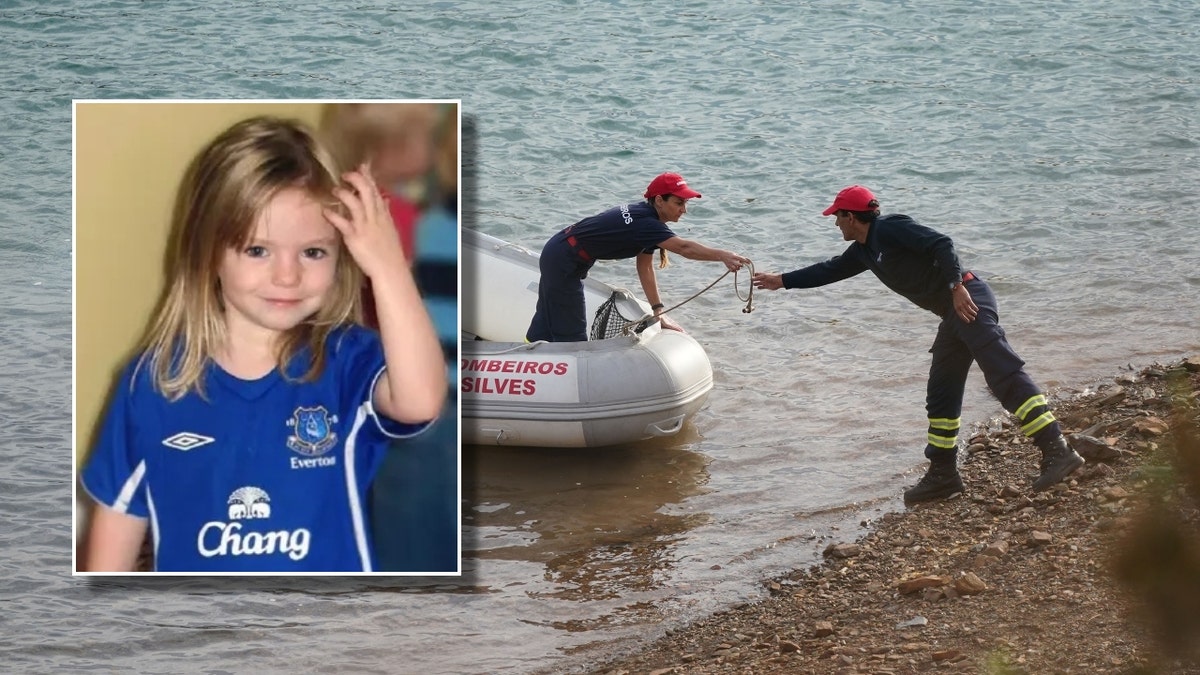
(1100, 574)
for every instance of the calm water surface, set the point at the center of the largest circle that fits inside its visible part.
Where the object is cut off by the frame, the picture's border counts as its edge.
(1056, 142)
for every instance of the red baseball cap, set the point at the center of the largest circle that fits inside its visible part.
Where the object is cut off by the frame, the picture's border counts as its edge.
(853, 198)
(670, 184)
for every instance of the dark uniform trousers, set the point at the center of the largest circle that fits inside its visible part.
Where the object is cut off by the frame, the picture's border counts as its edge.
(561, 314)
(982, 341)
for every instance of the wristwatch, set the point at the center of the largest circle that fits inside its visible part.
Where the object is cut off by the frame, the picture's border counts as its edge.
(955, 284)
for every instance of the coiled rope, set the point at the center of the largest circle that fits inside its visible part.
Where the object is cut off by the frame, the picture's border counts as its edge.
(646, 322)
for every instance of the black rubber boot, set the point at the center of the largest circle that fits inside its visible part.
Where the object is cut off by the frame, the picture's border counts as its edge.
(939, 482)
(1058, 461)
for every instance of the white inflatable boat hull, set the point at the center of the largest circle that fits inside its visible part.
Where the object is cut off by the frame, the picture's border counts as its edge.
(566, 394)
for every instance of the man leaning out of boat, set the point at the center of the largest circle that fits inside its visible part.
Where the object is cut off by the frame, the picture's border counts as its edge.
(632, 230)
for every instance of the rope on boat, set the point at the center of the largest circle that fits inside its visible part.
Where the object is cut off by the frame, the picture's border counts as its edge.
(646, 322)
(636, 327)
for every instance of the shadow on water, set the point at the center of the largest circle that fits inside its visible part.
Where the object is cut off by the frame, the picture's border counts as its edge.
(595, 518)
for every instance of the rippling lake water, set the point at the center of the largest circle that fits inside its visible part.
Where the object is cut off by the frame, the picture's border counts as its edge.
(1056, 142)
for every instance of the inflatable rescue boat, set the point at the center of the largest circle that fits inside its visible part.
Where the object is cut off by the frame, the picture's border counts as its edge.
(643, 383)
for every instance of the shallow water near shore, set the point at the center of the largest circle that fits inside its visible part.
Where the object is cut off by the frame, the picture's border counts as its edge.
(1056, 143)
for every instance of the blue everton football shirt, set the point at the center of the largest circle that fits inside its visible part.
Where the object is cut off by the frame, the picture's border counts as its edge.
(267, 475)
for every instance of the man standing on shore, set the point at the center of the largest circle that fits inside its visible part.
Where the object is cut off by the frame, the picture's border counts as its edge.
(923, 266)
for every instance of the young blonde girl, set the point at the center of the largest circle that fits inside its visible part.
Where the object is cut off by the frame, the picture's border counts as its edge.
(246, 433)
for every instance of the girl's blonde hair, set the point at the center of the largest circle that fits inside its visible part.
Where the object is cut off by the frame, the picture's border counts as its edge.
(225, 189)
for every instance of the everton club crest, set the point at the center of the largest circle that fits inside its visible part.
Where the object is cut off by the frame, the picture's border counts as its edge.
(312, 431)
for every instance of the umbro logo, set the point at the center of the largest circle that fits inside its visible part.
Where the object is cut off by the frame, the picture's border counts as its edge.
(186, 440)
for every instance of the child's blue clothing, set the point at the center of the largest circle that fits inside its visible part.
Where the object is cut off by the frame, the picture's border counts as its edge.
(256, 476)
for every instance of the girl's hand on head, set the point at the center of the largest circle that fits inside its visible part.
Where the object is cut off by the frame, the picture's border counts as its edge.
(366, 225)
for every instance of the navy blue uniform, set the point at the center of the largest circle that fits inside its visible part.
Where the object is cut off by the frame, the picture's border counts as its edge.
(267, 475)
(620, 232)
(922, 265)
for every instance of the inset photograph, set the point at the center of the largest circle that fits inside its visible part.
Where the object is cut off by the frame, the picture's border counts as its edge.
(266, 337)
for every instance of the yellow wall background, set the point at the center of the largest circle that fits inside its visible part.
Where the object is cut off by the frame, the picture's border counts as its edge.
(129, 159)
